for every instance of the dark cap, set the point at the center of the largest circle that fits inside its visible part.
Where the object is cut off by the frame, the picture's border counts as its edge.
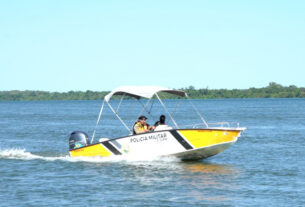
(142, 117)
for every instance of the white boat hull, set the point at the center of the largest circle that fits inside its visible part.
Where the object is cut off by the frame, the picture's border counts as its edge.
(187, 144)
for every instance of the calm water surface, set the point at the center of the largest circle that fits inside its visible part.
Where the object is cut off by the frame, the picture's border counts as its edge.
(264, 168)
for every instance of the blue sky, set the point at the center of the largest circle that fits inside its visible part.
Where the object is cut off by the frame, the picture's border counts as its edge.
(63, 45)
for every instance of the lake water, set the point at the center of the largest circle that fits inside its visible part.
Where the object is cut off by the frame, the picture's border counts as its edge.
(266, 167)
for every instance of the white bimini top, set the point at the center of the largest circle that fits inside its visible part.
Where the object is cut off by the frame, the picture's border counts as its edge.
(142, 91)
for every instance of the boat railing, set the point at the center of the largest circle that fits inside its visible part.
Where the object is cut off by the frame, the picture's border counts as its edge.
(224, 125)
(213, 125)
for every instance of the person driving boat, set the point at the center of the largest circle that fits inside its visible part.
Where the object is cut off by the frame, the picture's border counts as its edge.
(141, 126)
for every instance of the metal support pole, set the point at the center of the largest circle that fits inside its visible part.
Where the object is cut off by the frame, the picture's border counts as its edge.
(167, 110)
(203, 120)
(117, 110)
(98, 120)
(144, 108)
(118, 117)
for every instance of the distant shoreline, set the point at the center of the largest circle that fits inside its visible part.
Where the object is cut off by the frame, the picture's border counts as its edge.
(273, 90)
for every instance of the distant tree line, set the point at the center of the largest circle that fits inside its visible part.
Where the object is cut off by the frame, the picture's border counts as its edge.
(44, 95)
(273, 90)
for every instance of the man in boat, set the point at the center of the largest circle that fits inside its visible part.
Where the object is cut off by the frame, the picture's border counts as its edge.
(161, 121)
(160, 125)
(141, 126)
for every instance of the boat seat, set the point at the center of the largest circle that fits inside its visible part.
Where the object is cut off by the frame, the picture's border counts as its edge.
(103, 139)
(163, 127)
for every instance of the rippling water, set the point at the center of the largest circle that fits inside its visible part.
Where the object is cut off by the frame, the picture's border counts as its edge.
(265, 167)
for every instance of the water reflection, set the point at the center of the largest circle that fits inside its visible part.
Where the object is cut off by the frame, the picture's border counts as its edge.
(210, 181)
(193, 181)
(210, 168)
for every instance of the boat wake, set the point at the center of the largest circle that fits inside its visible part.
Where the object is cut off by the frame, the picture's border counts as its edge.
(22, 154)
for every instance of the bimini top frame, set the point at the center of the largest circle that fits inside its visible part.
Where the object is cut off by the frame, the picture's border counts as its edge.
(139, 92)
(142, 92)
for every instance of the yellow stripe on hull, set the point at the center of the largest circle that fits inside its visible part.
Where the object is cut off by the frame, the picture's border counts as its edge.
(203, 138)
(90, 151)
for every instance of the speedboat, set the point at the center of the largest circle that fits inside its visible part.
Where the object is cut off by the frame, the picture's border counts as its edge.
(191, 142)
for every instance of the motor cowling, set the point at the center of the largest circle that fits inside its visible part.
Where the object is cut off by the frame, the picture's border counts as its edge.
(78, 139)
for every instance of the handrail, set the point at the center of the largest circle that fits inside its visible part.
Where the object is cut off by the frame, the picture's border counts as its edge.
(212, 125)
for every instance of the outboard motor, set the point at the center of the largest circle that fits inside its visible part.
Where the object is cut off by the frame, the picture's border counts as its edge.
(78, 139)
